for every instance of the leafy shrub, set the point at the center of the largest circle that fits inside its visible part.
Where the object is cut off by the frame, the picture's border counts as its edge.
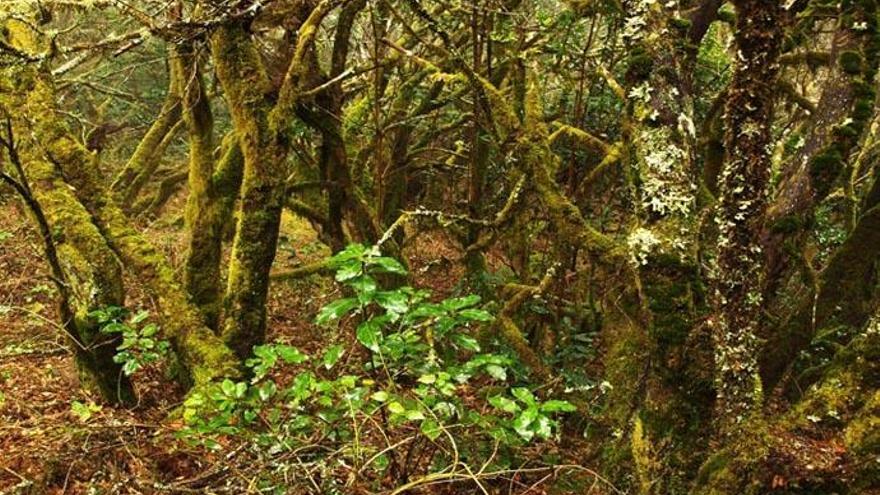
(140, 345)
(425, 390)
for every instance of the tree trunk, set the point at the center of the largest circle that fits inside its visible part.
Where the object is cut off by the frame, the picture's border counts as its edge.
(263, 188)
(743, 189)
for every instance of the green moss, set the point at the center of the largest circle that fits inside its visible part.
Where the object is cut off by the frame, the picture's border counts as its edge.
(863, 90)
(863, 110)
(680, 23)
(847, 132)
(851, 62)
(639, 65)
(824, 167)
(787, 225)
(727, 14)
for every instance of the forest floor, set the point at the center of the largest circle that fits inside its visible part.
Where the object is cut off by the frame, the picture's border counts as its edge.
(54, 437)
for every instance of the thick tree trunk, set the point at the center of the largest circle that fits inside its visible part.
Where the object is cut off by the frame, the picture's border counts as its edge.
(835, 129)
(743, 190)
(90, 276)
(263, 189)
(211, 192)
(849, 98)
(204, 357)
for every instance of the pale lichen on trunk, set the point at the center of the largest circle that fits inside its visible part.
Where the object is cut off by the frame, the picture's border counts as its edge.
(743, 192)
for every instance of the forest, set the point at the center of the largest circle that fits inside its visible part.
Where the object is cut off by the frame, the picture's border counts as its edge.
(427, 247)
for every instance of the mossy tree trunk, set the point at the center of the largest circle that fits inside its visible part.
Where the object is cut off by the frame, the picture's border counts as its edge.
(202, 354)
(743, 189)
(828, 442)
(847, 101)
(212, 190)
(249, 95)
(670, 428)
(836, 127)
(88, 272)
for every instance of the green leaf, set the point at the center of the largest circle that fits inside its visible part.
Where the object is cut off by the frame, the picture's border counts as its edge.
(290, 354)
(228, 387)
(380, 396)
(365, 287)
(466, 342)
(335, 310)
(388, 265)
(414, 415)
(267, 390)
(369, 334)
(332, 355)
(457, 303)
(150, 330)
(426, 310)
(523, 421)
(130, 367)
(349, 270)
(139, 317)
(428, 379)
(476, 315)
(431, 429)
(503, 403)
(396, 408)
(395, 301)
(240, 389)
(496, 372)
(81, 411)
(352, 251)
(524, 394)
(543, 428)
(557, 406)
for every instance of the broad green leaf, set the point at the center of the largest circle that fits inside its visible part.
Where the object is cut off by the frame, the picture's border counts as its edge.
(352, 251)
(335, 310)
(349, 270)
(291, 355)
(139, 317)
(388, 265)
(475, 315)
(369, 334)
(380, 396)
(130, 367)
(431, 429)
(228, 387)
(240, 389)
(466, 342)
(543, 427)
(150, 330)
(394, 301)
(365, 287)
(504, 404)
(396, 408)
(523, 421)
(332, 355)
(267, 390)
(524, 395)
(496, 372)
(414, 415)
(457, 303)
